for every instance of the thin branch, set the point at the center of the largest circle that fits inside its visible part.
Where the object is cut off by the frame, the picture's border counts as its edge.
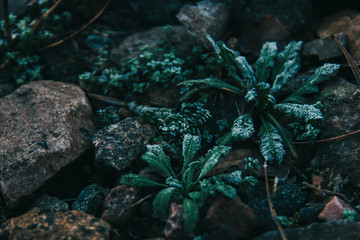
(326, 191)
(332, 138)
(108, 100)
(272, 210)
(80, 30)
(7, 24)
(47, 13)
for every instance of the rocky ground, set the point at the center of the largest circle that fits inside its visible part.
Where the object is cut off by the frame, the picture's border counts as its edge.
(60, 170)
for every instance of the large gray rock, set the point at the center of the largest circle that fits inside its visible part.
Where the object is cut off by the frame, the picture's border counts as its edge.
(118, 145)
(44, 126)
(319, 231)
(207, 17)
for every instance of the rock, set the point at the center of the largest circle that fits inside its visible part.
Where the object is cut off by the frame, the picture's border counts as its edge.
(153, 38)
(118, 145)
(287, 199)
(44, 126)
(233, 216)
(266, 29)
(174, 227)
(325, 49)
(37, 224)
(294, 14)
(348, 22)
(331, 230)
(16, 7)
(334, 210)
(342, 113)
(118, 207)
(48, 203)
(90, 200)
(310, 214)
(207, 17)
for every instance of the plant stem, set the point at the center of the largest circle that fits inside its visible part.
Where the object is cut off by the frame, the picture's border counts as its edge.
(47, 13)
(7, 25)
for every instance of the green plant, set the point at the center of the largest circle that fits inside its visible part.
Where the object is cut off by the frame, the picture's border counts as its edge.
(22, 58)
(192, 186)
(261, 98)
(106, 116)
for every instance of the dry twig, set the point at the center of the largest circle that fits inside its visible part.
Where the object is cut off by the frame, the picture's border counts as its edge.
(332, 138)
(80, 30)
(326, 191)
(47, 13)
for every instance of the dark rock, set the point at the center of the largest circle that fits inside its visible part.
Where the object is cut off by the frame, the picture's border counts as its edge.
(48, 203)
(266, 29)
(346, 21)
(118, 207)
(16, 7)
(44, 126)
(231, 215)
(325, 49)
(118, 145)
(319, 231)
(294, 14)
(334, 210)
(6, 89)
(310, 214)
(90, 200)
(207, 17)
(287, 199)
(130, 47)
(342, 113)
(37, 224)
(174, 228)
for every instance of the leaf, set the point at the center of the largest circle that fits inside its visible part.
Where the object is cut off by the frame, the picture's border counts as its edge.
(138, 180)
(304, 112)
(191, 215)
(188, 174)
(212, 158)
(162, 201)
(213, 43)
(270, 142)
(288, 63)
(243, 127)
(226, 190)
(156, 157)
(246, 71)
(213, 82)
(266, 61)
(321, 74)
(191, 144)
(172, 182)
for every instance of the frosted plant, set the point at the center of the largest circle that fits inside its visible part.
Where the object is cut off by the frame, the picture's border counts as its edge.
(259, 89)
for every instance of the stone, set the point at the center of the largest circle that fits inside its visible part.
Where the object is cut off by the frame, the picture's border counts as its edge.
(346, 21)
(342, 113)
(90, 200)
(334, 210)
(44, 126)
(325, 49)
(231, 215)
(48, 203)
(296, 15)
(310, 214)
(174, 228)
(331, 230)
(118, 145)
(118, 206)
(207, 17)
(153, 38)
(37, 224)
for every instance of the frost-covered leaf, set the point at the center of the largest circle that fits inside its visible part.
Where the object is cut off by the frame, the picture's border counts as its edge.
(191, 145)
(270, 142)
(266, 61)
(225, 189)
(288, 63)
(138, 180)
(321, 74)
(213, 43)
(195, 196)
(234, 177)
(173, 182)
(213, 82)
(212, 158)
(162, 201)
(251, 163)
(243, 127)
(191, 215)
(188, 175)
(246, 71)
(309, 134)
(304, 112)
(156, 157)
